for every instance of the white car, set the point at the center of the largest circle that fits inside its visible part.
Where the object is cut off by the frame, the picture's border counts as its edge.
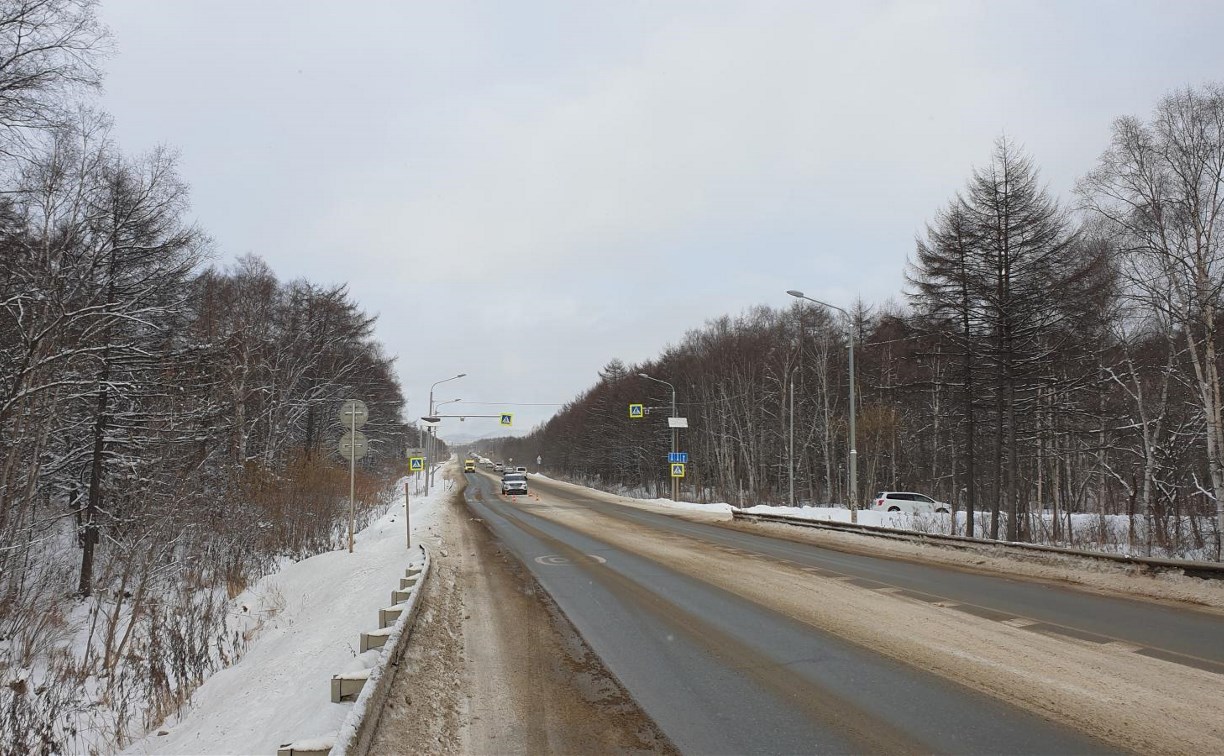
(906, 501)
(514, 484)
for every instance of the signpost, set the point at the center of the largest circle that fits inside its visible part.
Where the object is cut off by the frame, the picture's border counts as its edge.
(353, 446)
(677, 470)
(681, 457)
(416, 464)
(507, 419)
(636, 411)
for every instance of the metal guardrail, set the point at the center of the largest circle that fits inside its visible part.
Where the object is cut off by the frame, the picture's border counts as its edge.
(357, 732)
(1190, 568)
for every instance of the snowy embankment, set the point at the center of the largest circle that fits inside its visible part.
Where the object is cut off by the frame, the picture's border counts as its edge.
(1094, 532)
(316, 611)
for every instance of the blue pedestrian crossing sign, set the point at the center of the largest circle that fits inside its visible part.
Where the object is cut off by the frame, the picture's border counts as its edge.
(677, 470)
(674, 457)
(636, 411)
(416, 464)
(507, 418)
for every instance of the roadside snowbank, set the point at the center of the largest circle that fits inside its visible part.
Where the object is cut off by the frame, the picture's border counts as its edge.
(1095, 532)
(317, 608)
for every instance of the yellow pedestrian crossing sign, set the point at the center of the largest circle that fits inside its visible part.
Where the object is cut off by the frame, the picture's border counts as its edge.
(677, 470)
(507, 418)
(416, 464)
(636, 411)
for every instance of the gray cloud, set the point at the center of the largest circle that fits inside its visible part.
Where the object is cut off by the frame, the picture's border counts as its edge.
(557, 185)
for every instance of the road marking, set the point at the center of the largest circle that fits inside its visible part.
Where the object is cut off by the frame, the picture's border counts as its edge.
(555, 560)
(1019, 622)
(1189, 661)
(1068, 632)
(865, 583)
(983, 612)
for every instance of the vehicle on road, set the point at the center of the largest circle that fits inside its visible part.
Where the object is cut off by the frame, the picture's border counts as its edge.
(498, 467)
(469, 465)
(906, 501)
(514, 484)
(521, 470)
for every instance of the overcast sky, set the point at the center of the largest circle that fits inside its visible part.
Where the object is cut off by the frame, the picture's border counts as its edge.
(523, 191)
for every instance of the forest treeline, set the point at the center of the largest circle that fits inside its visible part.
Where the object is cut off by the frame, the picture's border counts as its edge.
(167, 430)
(1052, 356)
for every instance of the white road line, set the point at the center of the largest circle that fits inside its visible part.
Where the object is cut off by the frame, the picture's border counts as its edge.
(1019, 622)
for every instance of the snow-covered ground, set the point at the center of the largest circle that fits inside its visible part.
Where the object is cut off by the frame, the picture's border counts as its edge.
(316, 610)
(1095, 532)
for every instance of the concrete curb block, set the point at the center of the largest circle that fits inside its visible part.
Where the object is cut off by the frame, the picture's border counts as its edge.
(1190, 568)
(354, 736)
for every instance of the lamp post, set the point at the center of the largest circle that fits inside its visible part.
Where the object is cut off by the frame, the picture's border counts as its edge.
(790, 446)
(430, 446)
(434, 428)
(853, 409)
(674, 432)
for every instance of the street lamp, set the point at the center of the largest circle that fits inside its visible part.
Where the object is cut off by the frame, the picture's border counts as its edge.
(853, 409)
(437, 407)
(675, 448)
(430, 445)
(790, 444)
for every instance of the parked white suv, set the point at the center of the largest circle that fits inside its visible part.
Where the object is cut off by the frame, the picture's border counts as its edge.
(906, 501)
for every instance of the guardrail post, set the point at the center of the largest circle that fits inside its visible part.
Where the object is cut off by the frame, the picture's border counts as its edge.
(315, 748)
(388, 616)
(347, 686)
(376, 639)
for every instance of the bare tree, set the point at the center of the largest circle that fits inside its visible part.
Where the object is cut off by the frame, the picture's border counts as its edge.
(945, 280)
(1160, 188)
(49, 49)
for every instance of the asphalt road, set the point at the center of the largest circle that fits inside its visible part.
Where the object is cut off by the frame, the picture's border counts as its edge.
(722, 674)
(1183, 636)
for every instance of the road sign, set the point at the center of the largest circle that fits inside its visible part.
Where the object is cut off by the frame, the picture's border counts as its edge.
(415, 451)
(416, 464)
(677, 470)
(539, 460)
(636, 411)
(507, 418)
(353, 413)
(674, 457)
(353, 445)
(677, 422)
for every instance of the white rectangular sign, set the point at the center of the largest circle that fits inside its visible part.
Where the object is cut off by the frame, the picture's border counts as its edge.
(677, 422)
